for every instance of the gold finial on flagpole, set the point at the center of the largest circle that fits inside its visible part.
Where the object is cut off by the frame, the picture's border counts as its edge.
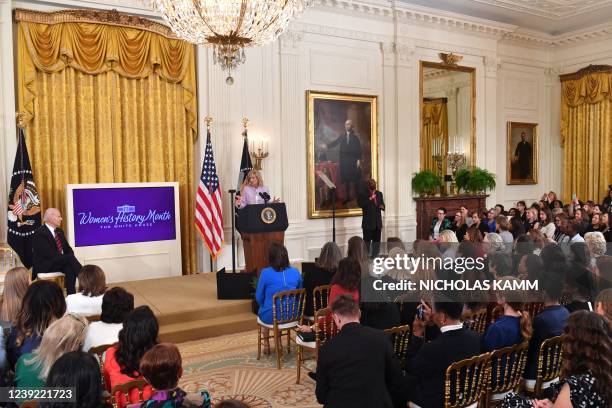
(20, 116)
(245, 123)
(208, 120)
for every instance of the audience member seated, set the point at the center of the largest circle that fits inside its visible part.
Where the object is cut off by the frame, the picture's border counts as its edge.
(439, 224)
(514, 326)
(490, 221)
(62, 336)
(324, 268)
(500, 264)
(530, 267)
(579, 280)
(581, 220)
(81, 371)
(603, 304)
(479, 223)
(503, 229)
(122, 361)
(162, 367)
(574, 230)
(532, 216)
(397, 248)
(347, 280)
(88, 301)
(42, 304)
(277, 277)
(427, 362)
(116, 304)
(492, 242)
(550, 322)
(459, 226)
(357, 250)
(517, 227)
(379, 312)
(16, 283)
(547, 224)
(448, 243)
(586, 379)
(357, 367)
(603, 272)
(596, 243)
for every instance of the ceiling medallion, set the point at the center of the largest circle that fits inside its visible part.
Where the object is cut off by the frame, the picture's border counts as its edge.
(450, 59)
(229, 26)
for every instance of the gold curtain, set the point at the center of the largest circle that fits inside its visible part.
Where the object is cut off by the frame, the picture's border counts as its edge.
(108, 103)
(435, 130)
(586, 133)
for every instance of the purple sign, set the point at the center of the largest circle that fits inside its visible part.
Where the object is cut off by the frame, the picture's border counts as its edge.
(104, 216)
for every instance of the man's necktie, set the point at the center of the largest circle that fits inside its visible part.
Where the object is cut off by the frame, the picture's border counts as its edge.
(58, 243)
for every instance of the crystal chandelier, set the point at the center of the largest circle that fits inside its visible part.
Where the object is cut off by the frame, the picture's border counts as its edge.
(229, 26)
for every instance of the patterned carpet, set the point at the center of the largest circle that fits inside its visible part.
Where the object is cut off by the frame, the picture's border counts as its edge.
(228, 365)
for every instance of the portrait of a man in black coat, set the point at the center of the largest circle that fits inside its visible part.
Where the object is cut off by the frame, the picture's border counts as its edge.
(350, 152)
(522, 159)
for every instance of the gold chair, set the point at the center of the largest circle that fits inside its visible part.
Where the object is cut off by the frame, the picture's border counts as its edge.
(93, 318)
(507, 367)
(57, 277)
(534, 308)
(550, 358)
(8, 259)
(287, 312)
(124, 390)
(400, 337)
(467, 382)
(324, 329)
(320, 297)
(99, 351)
(477, 321)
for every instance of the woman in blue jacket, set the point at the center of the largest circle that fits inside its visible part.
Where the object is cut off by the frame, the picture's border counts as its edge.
(277, 277)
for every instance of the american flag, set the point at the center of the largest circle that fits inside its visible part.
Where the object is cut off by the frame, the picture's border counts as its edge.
(209, 214)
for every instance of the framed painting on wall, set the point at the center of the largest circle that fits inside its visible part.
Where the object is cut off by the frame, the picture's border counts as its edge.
(342, 148)
(522, 153)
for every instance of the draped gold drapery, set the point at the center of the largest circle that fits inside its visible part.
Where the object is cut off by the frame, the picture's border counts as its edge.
(108, 103)
(586, 132)
(435, 128)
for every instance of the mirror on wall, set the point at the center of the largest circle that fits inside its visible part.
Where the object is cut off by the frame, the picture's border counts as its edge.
(447, 117)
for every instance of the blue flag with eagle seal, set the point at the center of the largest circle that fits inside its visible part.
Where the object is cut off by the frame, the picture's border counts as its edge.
(23, 205)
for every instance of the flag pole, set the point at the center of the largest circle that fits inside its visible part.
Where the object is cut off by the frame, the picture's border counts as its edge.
(208, 120)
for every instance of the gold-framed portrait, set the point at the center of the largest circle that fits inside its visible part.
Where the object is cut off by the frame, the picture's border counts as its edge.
(522, 153)
(342, 148)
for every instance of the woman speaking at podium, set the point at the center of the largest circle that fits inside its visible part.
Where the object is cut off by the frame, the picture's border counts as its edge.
(253, 191)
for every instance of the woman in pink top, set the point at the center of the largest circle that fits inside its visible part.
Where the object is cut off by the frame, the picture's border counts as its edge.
(122, 361)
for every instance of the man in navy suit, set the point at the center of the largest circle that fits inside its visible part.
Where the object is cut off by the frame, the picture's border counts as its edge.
(51, 251)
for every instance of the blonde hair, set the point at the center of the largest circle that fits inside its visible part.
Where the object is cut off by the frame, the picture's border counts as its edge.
(596, 243)
(448, 236)
(252, 173)
(16, 284)
(62, 336)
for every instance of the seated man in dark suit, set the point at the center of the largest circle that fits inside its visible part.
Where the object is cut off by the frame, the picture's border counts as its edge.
(427, 362)
(52, 253)
(357, 367)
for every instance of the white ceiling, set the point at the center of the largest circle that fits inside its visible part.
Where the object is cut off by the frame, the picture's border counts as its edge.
(549, 16)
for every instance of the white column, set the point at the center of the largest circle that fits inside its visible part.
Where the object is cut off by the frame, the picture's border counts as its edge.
(292, 140)
(490, 116)
(8, 143)
(408, 130)
(554, 151)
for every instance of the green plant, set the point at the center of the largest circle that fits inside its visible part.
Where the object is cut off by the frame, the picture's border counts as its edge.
(462, 177)
(425, 182)
(481, 180)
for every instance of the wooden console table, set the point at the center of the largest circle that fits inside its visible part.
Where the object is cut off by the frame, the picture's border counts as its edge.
(427, 206)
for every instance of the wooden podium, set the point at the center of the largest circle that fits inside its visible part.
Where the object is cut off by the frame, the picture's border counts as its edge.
(260, 225)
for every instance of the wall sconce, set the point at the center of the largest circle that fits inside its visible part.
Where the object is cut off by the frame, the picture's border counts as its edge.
(258, 147)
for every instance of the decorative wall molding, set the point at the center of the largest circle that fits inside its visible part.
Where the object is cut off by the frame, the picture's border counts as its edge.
(536, 39)
(550, 9)
(337, 32)
(290, 41)
(399, 54)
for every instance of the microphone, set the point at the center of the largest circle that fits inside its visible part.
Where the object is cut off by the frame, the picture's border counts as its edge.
(265, 196)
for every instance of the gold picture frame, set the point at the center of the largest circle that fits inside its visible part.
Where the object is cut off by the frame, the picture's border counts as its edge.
(522, 156)
(327, 113)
